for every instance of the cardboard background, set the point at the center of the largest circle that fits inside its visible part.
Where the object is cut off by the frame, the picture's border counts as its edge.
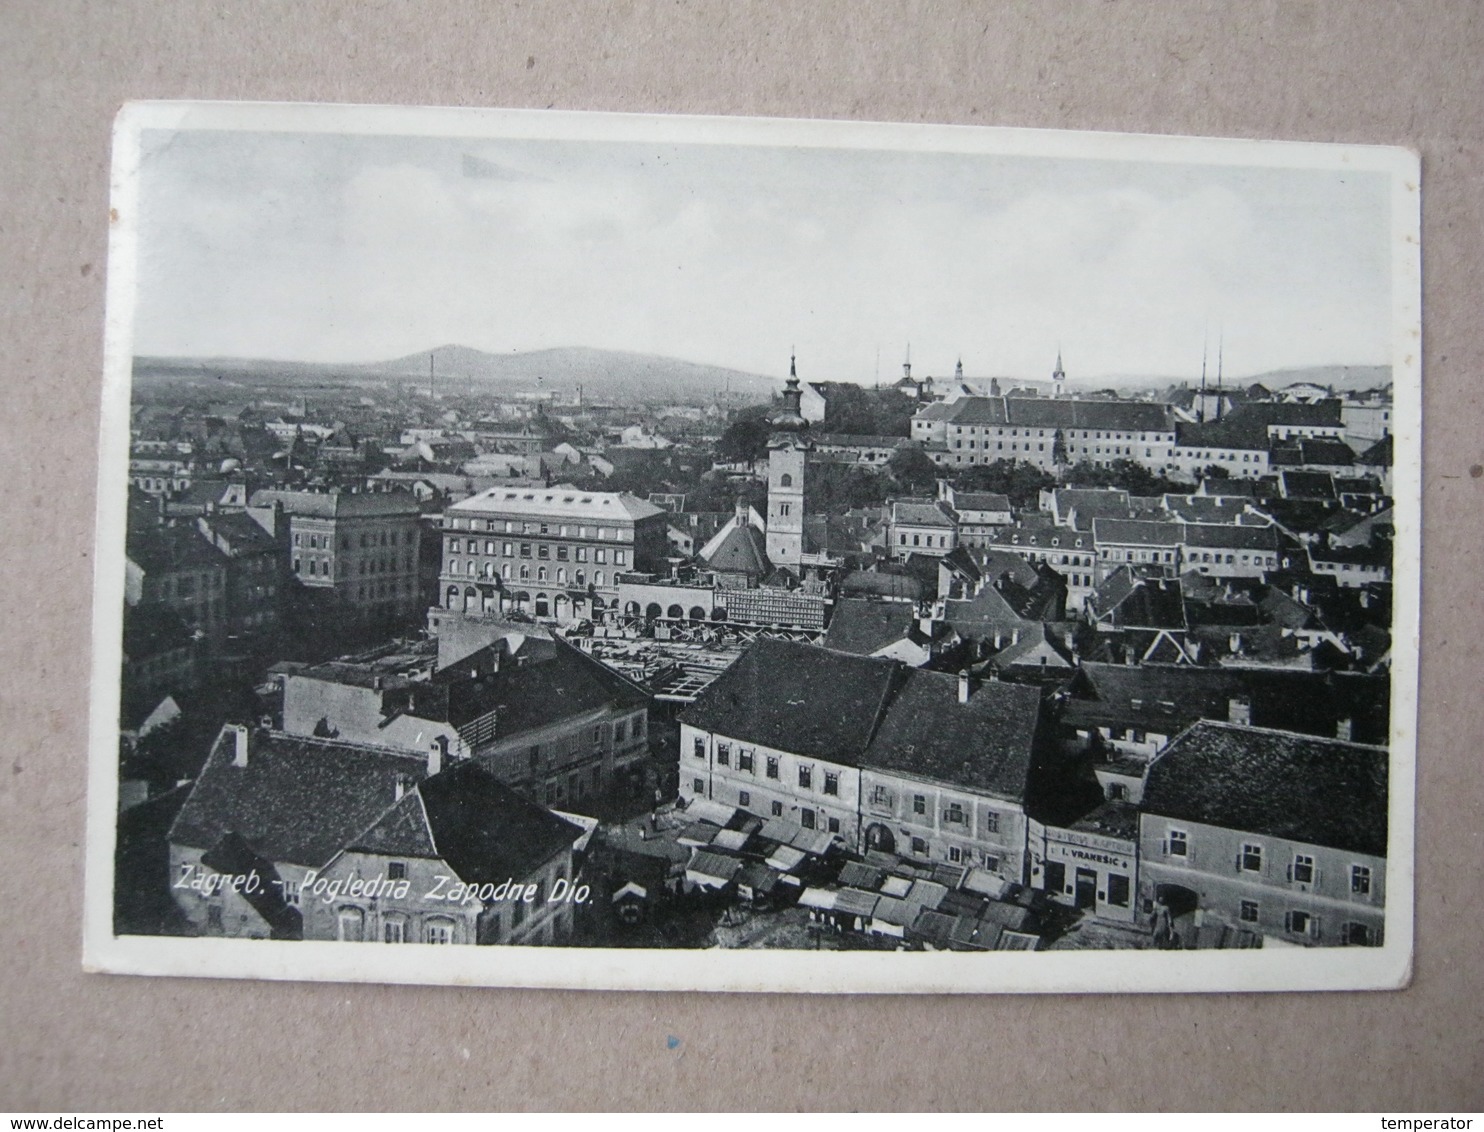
(1395, 73)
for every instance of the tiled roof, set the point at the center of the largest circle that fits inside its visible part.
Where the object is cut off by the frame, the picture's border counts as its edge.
(797, 698)
(1116, 416)
(562, 500)
(1137, 532)
(980, 501)
(485, 831)
(874, 713)
(1306, 702)
(743, 550)
(985, 744)
(1211, 536)
(338, 504)
(861, 627)
(1274, 784)
(297, 800)
(917, 513)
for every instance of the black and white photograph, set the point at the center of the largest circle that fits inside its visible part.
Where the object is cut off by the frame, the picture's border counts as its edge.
(615, 551)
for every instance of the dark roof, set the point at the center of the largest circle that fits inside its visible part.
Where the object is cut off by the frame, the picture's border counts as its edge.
(298, 800)
(164, 549)
(1274, 784)
(1311, 703)
(986, 743)
(485, 831)
(1378, 455)
(560, 682)
(743, 551)
(339, 504)
(1138, 532)
(861, 627)
(980, 501)
(882, 583)
(797, 698)
(1307, 485)
(919, 513)
(874, 713)
(1119, 416)
(1230, 536)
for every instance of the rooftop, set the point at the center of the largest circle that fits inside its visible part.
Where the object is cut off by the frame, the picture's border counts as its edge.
(1276, 784)
(562, 501)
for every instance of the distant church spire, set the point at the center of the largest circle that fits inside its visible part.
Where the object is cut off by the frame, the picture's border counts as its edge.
(1058, 376)
(958, 370)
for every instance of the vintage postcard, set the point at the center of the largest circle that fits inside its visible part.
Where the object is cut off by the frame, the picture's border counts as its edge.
(607, 551)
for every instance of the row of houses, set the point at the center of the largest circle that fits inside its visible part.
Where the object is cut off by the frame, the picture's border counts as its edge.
(1229, 828)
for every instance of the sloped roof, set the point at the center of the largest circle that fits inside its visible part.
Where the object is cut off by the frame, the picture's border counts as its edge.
(1228, 536)
(297, 800)
(862, 627)
(485, 831)
(743, 550)
(986, 743)
(1275, 784)
(798, 698)
(919, 513)
(1118, 416)
(1137, 532)
(338, 504)
(561, 500)
(1378, 455)
(980, 501)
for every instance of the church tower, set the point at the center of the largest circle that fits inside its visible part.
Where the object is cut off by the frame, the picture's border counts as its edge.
(1058, 377)
(788, 450)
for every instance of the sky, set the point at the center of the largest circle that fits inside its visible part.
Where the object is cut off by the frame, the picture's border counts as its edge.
(341, 248)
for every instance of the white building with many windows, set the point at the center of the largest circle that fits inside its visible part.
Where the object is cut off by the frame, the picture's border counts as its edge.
(928, 765)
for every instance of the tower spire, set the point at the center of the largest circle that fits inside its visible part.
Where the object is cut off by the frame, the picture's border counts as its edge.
(1220, 349)
(1200, 412)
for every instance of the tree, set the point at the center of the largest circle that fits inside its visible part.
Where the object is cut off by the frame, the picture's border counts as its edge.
(1215, 472)
(1019, 480)
(832, 489)
(745, 439)
(912, 469)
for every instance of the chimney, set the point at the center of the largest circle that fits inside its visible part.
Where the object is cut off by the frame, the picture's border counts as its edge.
(1239, 711)
(436, 753)
(241, 741)
(1345, 729)
(376, 683)
(963, 686)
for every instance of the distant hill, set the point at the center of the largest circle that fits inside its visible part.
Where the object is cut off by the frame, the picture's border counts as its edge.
(605, 375)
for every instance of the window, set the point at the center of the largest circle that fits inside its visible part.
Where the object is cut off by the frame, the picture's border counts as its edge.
(1300, 923)
(880, 796)
(600, 555)
(394, 931)
(699, 746)
(535, 757)
(955, 854)
(1248, 912)
(562, 554)
(992, 862)
(396, 870)
(919, 847)
(772, 769)
(1178, 844)
(1302, 871)
(441, 931)
(834, 825)
(744, 761)
(348, 925)
(954, 814)
(1358, 935)
(1251, 859)
(806, 777)
(291, 893)
(919, 803)
(831, 782)
(621, 733)
(776, 809)
(698, 786)
(806, 819)
(1360, 880)
(1118, 890)
(723, 754)
(744, 799)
